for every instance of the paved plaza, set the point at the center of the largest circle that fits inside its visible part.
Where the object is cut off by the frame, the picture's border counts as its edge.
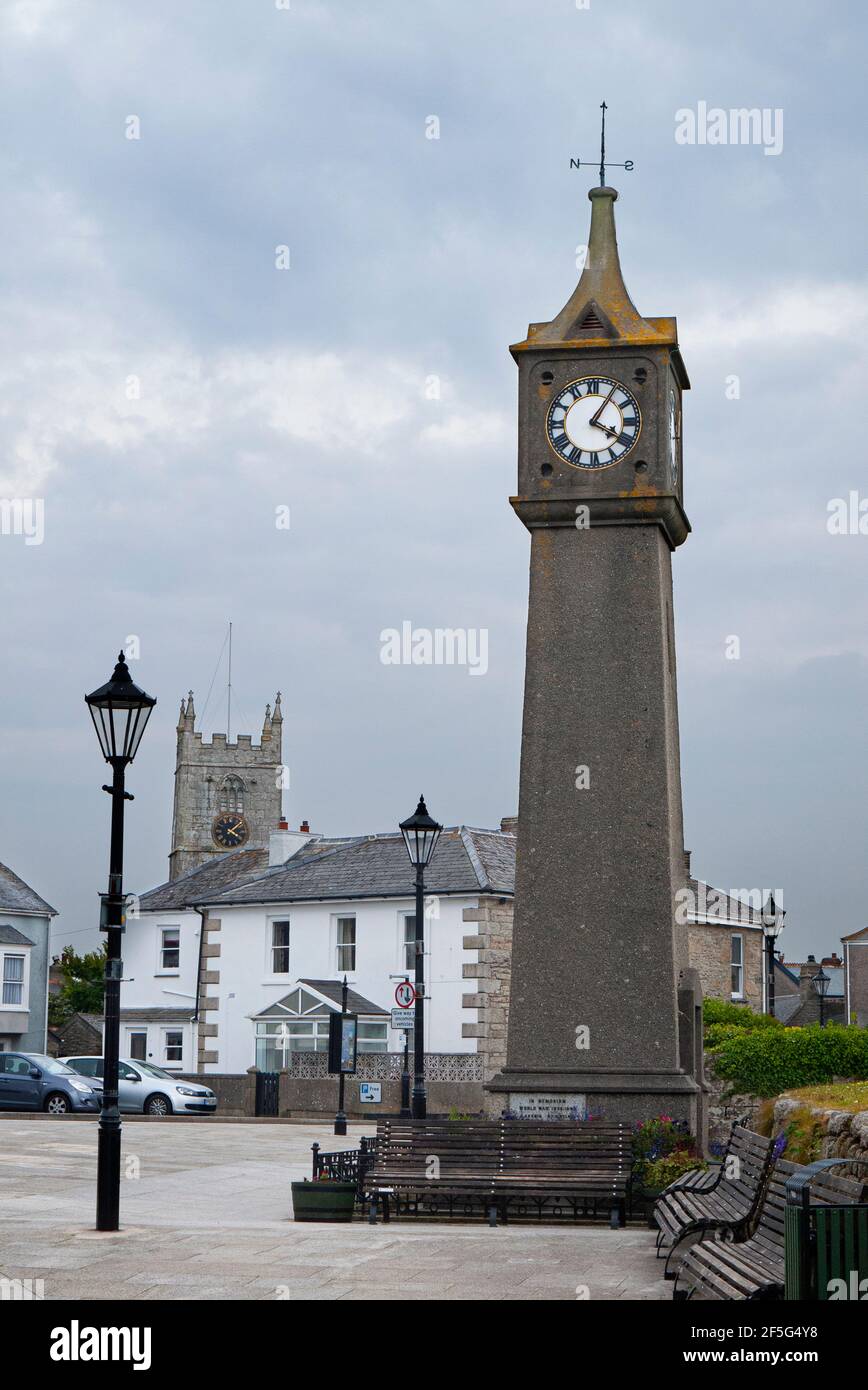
(206, 1212)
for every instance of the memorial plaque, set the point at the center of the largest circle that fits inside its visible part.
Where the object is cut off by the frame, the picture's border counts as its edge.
(527, 1106)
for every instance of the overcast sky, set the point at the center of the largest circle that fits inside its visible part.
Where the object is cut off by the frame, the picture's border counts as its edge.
(309, 387)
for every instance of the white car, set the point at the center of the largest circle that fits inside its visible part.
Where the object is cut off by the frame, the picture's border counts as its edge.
(144, 1088)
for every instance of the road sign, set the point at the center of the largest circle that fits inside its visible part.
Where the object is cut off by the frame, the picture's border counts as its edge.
(405, 995)
(402, 1018)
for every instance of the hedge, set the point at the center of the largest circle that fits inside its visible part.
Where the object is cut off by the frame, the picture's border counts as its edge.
(721, 1011)
(766, 1061)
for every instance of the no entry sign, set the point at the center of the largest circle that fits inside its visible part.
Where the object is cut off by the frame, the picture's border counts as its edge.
(405, 995)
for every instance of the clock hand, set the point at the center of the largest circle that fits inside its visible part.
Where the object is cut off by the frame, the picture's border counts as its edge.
(597, 425)
(595, 417)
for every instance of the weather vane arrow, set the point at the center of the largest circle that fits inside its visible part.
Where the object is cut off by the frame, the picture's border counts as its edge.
(578, 163)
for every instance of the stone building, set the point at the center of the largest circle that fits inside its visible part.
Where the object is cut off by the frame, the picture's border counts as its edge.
(227, 794)
(856, 976)
(725, 943)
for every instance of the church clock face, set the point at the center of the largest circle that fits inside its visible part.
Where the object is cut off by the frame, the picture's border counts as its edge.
(593, 422)
(230, 830)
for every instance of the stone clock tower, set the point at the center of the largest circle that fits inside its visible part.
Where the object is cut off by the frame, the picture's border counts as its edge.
(227, 795)
(603, 1009)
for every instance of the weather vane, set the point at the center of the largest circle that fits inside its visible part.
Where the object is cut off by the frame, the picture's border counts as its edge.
(577, 163)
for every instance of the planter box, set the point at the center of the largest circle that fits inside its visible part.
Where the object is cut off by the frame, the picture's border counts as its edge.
(323, 1201)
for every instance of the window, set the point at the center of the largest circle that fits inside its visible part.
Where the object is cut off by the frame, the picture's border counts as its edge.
(280, 948)
(372, 1037)
(170, 948)
(86, 1066)
(346, 944)
(410, 942)
(13, 980)
(231, 795)
(138, 1046)
(174, 1046)
(276, 1039)
(737, 967)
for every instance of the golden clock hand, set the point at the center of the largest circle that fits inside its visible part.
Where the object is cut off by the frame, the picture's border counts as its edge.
(594, 418)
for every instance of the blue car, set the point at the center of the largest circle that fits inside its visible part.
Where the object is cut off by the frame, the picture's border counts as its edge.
(31, 1081)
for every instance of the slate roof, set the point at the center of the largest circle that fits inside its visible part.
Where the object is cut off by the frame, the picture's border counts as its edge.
(786, 1006)
(466, 860)
(332, 989)
(11, 936)
(155, 1015)
(17, 896)
(205, 882)
(716, 904)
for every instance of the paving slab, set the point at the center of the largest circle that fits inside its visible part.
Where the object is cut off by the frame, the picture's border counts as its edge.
(206, 1215)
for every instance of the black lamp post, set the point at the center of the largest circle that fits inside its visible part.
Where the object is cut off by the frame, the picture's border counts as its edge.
(821, 984)
(773, 925)
(120, 711)
(421, 834)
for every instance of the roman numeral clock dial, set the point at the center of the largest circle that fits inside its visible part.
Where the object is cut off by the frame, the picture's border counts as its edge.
(593, 422)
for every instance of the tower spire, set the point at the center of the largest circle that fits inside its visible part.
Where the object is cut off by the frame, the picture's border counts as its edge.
(600, 307)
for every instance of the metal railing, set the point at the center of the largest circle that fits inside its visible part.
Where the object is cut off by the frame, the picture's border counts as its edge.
(345, 1165)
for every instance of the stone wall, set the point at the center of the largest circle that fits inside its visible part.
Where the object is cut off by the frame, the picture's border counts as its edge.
(235, 1094)
(846, 1133)
(492, 942)
(710, 951)
(453, 1082)
(725, 1110)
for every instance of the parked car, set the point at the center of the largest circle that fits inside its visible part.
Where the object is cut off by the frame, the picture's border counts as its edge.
(142, 1087)
(31, 1081)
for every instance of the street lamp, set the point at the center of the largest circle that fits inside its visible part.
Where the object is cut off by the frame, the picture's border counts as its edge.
(120, 711)
(773, 925)
(421, 834)
(821, 984)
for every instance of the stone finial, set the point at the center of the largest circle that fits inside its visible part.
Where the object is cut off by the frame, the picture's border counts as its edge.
(182, 717)
(277, 715)
(191, 712)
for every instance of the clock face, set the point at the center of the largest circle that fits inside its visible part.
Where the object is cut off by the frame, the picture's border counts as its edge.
(674, 432)
(593, 422)
(230, 830)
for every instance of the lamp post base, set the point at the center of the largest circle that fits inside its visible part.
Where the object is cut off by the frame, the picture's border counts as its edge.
(420, 1103)
(108, 1174)
(340, 1123)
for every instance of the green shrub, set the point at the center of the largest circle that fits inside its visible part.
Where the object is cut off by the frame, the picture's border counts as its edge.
(662, 1171)
(767, 1061)
(722, 1011)
(805, 1130)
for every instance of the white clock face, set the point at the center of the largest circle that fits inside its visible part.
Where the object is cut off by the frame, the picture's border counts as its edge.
(593, 422)
(674, 433)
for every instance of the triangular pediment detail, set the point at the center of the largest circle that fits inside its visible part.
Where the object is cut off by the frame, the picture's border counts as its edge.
(592, 323)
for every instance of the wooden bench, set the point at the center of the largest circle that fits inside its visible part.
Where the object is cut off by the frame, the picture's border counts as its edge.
(753, 1269)
(500, 1168)
(702, 1179)
(728, 1204)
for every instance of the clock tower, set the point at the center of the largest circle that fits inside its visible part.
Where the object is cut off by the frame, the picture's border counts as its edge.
(228, 794)
(603, 1010)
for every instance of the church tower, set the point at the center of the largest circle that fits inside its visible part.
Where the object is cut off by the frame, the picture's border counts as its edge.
(602, 1008)
(227, 795)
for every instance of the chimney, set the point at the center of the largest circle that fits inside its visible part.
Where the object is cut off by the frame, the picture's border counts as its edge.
(283, 843)
(833, 960)
(509, 825)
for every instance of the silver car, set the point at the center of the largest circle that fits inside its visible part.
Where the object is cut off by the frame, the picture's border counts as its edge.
(142, 1087)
